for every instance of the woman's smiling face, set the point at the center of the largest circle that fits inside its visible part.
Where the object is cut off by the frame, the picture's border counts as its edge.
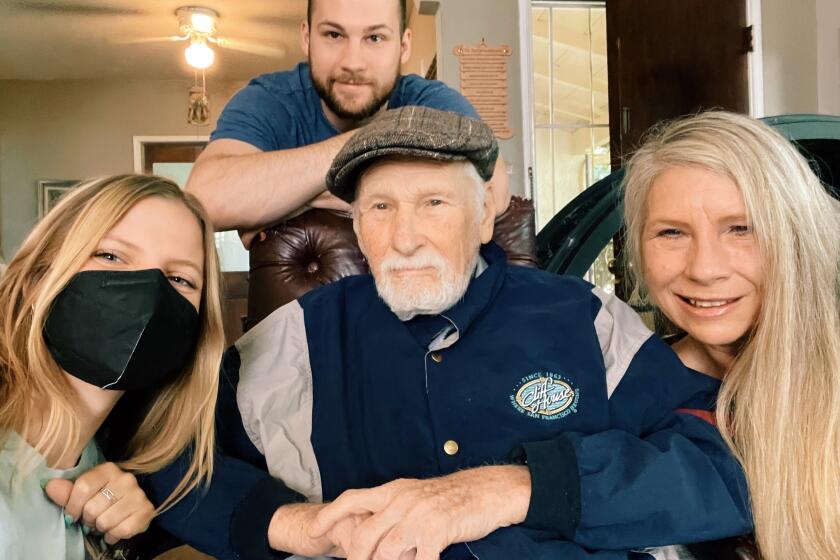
(701, 262)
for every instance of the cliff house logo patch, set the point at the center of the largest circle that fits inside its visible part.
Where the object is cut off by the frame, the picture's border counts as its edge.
(545, 396)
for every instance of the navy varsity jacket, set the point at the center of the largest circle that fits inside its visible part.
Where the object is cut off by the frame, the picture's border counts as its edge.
(333, 392)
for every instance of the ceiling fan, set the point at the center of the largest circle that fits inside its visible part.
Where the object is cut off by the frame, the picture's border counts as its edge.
(197, 25)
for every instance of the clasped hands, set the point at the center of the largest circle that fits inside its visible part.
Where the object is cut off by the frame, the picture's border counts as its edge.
(406, 519)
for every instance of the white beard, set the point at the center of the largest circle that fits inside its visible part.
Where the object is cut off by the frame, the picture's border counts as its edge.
(407, 301)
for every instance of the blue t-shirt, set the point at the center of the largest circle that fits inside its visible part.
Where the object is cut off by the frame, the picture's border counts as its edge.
(282, 110)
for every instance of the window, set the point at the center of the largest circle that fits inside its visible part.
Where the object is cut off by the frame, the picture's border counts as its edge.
(570, 108)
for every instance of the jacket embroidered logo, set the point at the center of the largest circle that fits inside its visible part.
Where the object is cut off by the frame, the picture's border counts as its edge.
(545, 396)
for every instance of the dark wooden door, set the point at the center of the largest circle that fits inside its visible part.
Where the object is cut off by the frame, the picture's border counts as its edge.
(668, 58)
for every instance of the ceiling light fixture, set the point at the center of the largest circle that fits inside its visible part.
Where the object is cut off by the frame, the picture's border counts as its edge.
(199, 55)
(199, 24)
(203, 23)
(195, 19)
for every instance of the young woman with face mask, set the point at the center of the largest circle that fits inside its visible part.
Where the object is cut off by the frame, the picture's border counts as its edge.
(733, 238)
(115, 291)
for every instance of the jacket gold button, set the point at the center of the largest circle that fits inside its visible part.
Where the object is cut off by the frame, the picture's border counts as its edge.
(436, 356)
(450, 447)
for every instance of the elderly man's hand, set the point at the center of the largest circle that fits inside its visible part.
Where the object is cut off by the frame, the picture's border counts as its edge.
(290, 528)
(420, 518)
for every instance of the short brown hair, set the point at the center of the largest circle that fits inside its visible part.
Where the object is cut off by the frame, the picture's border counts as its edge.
(403, 18)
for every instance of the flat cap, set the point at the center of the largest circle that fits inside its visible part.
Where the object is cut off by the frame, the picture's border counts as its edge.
(419, 132)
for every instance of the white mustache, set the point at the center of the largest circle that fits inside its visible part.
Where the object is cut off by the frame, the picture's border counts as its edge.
(418, 261)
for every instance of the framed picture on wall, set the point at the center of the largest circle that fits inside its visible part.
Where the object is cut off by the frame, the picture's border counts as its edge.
(50, 191)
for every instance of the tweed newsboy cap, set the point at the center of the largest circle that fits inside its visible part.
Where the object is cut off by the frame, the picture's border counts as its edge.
(419, 132)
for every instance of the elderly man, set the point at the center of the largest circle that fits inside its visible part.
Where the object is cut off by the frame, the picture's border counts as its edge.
(451, 405)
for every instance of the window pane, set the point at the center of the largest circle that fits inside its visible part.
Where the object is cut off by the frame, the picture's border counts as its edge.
(570, 28)
(543, 183)
(232, 254)
(600, 274)
(599, 65)
(569, 165)
(571, 110)
(177, 172)
(540, 50)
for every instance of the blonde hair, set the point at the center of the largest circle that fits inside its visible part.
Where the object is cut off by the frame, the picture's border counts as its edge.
(779, 405)
(182, 413)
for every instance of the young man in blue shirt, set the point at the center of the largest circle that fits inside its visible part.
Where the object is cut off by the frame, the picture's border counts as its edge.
(275, 139)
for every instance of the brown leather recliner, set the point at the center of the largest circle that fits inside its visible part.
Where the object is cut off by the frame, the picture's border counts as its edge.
(319, 246)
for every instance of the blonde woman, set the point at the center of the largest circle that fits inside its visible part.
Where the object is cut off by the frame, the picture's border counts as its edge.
(736, 242)
(115, 291)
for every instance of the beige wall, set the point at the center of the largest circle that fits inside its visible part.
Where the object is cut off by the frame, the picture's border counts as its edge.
(467, 22)
(789, 42)
(78, 129)
(828, 56)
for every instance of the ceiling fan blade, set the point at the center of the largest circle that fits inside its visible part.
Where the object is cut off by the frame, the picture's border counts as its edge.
(141, 40)
(252, 48)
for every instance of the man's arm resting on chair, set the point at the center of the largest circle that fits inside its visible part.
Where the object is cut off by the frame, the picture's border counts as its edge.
(245, 188)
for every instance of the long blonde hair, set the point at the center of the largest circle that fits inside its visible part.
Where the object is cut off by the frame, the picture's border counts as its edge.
(182, 413)
(779, 406)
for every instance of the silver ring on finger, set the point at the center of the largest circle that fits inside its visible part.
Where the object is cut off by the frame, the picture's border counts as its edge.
(109, 495)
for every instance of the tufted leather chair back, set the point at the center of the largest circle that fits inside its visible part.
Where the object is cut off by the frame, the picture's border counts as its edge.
(319, 246)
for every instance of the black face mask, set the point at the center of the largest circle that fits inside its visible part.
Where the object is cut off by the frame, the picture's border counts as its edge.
(123, 330)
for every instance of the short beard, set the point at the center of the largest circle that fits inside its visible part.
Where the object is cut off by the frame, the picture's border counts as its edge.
(380, 97)
(429, 301)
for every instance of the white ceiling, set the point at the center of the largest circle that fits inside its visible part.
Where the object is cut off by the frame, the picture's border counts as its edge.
(81, 39)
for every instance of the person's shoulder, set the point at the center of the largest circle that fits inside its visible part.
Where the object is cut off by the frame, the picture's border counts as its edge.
(412, 87)
(531, 288)
(572, 286)
(414, 90)
(326, 299)
(349, 287)
(413, 81)
(285, 83)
